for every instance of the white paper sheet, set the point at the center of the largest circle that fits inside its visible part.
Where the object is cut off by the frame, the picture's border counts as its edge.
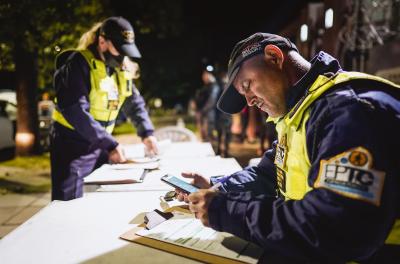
(207, 166)
(186, 231)
(172, 150)
(112, 174)
(136, 151)
(127, 166)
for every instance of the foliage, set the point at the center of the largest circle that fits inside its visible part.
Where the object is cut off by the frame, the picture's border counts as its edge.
(124, 128)
(191, 126)
(160, 112)
(168, 118)
(30, 162)
(44, 27)
(169, 65)
(25, 174)
(24, 185)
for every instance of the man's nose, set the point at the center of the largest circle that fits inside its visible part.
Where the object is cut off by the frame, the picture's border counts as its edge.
(250, 98)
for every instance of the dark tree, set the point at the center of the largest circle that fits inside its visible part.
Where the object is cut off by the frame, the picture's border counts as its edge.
(32, 33)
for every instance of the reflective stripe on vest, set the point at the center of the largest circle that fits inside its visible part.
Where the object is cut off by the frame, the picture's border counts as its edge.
(107, 93)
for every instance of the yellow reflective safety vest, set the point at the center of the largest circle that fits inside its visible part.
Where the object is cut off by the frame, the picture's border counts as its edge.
(291, 158)
(107, 93)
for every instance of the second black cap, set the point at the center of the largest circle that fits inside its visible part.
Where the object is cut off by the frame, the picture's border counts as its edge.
(121, 34)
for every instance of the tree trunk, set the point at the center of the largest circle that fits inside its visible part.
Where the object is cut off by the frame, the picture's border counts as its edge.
(27, 136)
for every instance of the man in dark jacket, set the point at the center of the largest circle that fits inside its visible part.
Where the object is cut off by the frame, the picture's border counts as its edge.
(206, 101)
(329, 189)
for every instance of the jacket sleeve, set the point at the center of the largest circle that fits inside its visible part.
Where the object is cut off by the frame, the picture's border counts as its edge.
(258, 179)
(72, 83)
(135, 108)
(325, 224)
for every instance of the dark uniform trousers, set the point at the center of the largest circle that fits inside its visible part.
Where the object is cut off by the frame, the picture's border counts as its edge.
(75, 160)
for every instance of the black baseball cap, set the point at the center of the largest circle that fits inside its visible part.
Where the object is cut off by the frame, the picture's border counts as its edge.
(231, 101)
(121, 34)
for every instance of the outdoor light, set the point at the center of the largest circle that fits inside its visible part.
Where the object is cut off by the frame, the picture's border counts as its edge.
(24, 139)
(329, 18)
(157, 103)
(304, 33)
(209, 68)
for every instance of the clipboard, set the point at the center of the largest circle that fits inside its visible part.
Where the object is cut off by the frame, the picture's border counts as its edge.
(109, 174)
(175, 249)
(119, 181)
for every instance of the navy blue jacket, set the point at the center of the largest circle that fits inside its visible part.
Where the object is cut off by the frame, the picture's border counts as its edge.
(322, 225)
(72, 85)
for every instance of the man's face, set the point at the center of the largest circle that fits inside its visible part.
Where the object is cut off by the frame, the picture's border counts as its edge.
(205, 77)
(262, 82)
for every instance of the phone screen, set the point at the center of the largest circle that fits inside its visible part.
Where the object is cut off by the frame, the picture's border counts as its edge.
(178, 183)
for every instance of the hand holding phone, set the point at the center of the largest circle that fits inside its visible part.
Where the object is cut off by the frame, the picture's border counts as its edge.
(179, 184)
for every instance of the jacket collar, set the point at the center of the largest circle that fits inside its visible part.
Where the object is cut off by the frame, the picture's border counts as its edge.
(321, 64)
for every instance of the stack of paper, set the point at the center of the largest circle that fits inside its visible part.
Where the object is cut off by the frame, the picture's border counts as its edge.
(206, 166)
(145, 162)
(116, 174)
(137, 151)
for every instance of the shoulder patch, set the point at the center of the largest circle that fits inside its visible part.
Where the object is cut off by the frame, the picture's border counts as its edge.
(350, 174)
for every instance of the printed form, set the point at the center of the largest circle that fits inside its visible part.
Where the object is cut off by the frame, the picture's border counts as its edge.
(186, 231)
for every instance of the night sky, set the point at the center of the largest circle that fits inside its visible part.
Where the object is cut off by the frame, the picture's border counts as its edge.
(185, 35)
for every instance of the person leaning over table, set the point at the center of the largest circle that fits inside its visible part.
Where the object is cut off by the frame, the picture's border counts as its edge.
(329, 190)
(93, 83)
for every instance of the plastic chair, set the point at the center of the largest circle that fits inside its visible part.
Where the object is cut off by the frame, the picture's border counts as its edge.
(175, 134)
(254, 161)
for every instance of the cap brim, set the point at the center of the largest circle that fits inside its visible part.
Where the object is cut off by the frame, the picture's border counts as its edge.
(130, 50)
(231, 101)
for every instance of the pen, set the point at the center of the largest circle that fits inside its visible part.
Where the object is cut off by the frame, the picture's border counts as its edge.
(145, 171)
(219, 183)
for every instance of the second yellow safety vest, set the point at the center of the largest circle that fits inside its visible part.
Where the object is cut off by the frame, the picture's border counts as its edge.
(107, 93)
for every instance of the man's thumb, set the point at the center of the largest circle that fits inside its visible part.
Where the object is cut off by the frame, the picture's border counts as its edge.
(189, 175)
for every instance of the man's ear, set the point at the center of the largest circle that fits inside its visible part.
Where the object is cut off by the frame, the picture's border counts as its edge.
(274, 54)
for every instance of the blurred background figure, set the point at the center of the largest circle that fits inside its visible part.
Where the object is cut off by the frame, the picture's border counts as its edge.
(223, 123)
(266, 131)
(45, 110)
(45, 106)
(206, 100)
(244, 122)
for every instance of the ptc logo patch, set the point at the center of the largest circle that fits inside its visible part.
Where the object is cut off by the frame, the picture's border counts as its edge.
(351, 174)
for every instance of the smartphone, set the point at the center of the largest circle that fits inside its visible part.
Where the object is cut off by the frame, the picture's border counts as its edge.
(179, 184)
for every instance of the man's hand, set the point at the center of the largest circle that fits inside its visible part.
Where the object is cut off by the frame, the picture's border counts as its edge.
(198, 181)
(199, 202)
(151, 148)
(117, 155)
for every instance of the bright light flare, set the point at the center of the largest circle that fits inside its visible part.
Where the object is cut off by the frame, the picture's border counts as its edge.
(24, 139)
